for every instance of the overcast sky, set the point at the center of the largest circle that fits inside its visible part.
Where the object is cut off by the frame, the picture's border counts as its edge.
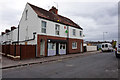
(94, 16)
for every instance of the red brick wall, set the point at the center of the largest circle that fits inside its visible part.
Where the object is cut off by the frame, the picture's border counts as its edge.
(69, 45)
(44, 37)
(78, 50)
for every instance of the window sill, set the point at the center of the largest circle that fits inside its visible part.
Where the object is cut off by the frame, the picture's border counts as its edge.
(74, 48)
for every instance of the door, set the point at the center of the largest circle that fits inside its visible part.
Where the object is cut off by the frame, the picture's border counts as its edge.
(81, 47)
(62, 48)
(57, 48)
(51, 49)
(42, 47)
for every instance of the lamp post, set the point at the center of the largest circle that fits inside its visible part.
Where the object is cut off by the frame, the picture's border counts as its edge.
(103, 35)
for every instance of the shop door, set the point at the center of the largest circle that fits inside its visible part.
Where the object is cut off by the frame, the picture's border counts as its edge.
(62, 48)
(51, 49)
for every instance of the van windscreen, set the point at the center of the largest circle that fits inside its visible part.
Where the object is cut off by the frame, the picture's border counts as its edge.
(102, 46)
(106, 45)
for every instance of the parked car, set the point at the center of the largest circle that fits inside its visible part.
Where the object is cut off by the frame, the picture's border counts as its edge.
(117, 50)
(106, 47)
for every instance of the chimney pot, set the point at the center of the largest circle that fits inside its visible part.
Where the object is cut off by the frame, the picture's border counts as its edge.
(54, 10)
(7, 30)
(12, 28)
(2, 33)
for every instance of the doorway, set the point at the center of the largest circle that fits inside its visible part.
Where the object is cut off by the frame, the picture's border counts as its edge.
(62, 48)
(57, 48)
(42, 47)
(81, 47)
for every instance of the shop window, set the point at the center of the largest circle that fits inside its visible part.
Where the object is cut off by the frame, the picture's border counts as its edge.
(62, 46)
(51, 45)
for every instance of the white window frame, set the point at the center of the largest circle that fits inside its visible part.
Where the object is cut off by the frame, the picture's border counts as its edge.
(57, 29)
(74, 45)
(74, 32)
(43, 27)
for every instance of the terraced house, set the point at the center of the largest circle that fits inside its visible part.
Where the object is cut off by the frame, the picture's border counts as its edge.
(52, 33)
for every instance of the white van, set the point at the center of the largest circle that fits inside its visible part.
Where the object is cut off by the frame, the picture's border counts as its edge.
(106, 47)
(117, 50)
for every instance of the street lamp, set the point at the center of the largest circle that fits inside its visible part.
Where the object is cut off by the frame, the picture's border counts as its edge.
(103, 35)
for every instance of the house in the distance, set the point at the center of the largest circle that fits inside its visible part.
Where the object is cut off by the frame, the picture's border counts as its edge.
(9, 36)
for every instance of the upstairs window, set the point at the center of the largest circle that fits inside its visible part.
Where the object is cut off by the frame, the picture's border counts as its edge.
(26, 14)
(74, 32)
(43, 30)
(80, 33)
(57, 29)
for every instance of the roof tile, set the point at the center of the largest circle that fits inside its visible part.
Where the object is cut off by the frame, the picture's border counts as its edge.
(53, 17)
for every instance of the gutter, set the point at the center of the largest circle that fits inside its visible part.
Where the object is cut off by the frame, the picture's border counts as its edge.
(18, 35)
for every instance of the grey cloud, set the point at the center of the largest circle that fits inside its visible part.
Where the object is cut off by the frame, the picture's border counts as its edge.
(97, 11)
(95, 18)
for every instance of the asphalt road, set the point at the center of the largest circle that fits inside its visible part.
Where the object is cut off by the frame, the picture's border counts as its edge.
(102, 65)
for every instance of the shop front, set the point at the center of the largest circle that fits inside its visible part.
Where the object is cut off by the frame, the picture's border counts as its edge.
(56, 47)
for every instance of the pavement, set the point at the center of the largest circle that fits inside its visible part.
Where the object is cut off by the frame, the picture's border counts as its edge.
(8, 63)
(97, 66)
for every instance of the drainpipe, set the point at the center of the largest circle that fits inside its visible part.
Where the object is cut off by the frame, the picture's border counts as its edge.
(18, 35)
(67, 40)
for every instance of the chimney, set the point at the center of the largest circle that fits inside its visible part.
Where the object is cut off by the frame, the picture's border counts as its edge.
(2, 33)
(7, 30)
(12, 28)
(54, 10)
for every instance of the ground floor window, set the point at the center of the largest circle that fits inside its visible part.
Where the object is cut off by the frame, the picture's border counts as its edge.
(51, 46)
(62, 46)
(74, 45)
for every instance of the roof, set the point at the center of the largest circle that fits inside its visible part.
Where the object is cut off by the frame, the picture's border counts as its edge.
(42, 13)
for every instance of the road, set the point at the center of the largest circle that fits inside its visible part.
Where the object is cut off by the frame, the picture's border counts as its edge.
(102, 65)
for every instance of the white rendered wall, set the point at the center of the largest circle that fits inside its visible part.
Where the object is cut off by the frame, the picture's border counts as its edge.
(4, 38)
(14, 35)
(0, 39)
(50, 28)
(33, 24)
(91, 48)
(77, 36)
